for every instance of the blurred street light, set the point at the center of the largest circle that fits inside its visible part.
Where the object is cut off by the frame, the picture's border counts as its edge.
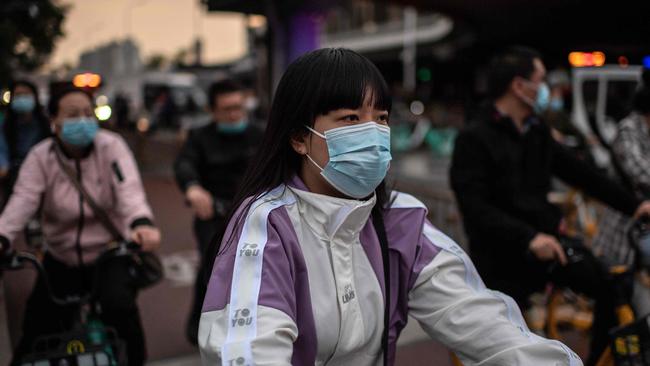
(6, 97)
(87, 80)
(424, 74)
(417, 107)
(101, 100)
(623, 61)
(103, 112)
(256, 21)
(646, 62)
(586, 59)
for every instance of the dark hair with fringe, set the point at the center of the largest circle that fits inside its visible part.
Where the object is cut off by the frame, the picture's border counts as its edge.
(53, 106)
(315, 84)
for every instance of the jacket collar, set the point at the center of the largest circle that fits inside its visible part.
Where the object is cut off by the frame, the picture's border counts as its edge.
(504, 122)
(86, 152)
(331, 217)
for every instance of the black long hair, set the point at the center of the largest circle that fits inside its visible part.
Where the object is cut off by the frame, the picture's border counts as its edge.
(315, 84)
(12, 125)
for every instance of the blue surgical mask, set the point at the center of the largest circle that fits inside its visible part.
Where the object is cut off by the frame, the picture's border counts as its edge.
(23, 103)
(233, 128)
(359, 157)
(541, 102)
(80, 131)
(556, 104)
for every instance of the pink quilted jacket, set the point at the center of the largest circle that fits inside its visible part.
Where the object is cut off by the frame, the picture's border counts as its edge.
(72, 232)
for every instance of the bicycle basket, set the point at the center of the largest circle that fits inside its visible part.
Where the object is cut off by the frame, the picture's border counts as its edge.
(77, 348)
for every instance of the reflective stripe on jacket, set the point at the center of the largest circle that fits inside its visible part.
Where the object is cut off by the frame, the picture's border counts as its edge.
(301, 283)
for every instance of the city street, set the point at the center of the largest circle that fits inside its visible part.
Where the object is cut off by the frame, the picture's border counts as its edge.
(166, 338)
(164, 308)
(538, 124)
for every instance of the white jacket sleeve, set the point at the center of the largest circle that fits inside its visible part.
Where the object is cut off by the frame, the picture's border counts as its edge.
(272, 344)
(248, 311)
(481, 326)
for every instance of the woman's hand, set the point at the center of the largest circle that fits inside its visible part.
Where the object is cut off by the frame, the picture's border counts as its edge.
(148, 237)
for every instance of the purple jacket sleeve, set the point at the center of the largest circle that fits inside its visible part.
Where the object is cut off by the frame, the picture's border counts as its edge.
(250, 306)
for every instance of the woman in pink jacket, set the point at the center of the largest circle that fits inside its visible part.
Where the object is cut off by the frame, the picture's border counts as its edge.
(74, 236)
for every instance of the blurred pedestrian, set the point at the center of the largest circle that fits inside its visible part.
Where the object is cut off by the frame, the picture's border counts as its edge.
(558, 118)
(209, 170)
(122, 110)
(501, 175)
(25, 126)
(631, 150)
(76, 235)
(164, 110)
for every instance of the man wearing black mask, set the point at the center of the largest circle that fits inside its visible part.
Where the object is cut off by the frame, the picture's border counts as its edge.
(208, 170)
(501, 174)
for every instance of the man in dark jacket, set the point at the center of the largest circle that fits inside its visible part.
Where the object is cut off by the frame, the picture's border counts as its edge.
(208, 170)
(501, 174)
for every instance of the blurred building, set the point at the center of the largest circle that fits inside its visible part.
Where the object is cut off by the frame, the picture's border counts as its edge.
(386, 33)
(437, 52)
(413, 49)
(120, 66)
(115, 59)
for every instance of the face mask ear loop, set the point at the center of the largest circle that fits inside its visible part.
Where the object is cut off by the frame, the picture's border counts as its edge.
(313, 162)
(319, 135)
(315, 132)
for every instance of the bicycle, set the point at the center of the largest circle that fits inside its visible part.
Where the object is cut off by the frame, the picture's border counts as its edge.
(89, 342)
(630, 340)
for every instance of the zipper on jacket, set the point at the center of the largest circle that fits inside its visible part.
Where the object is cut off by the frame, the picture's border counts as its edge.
(338, 306)
(80, 225)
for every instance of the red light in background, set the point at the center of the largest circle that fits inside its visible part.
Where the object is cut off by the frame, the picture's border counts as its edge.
(86, 80)
(585, 59)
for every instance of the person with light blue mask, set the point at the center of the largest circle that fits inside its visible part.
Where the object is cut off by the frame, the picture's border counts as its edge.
(209, 169)
(76, 128)
(322, 264)
(24, 126)
(558, 117)
(501, 173)
(100, 161)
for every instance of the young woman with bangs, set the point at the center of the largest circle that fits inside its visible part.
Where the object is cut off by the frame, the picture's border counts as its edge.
(322, 264)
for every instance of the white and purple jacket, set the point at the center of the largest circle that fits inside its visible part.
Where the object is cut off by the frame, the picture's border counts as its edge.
(301, 283)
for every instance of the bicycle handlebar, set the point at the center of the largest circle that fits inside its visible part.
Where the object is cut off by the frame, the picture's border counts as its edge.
(19, 259)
